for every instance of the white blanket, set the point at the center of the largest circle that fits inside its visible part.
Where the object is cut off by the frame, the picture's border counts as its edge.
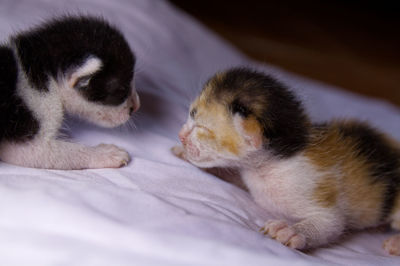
(160, 210)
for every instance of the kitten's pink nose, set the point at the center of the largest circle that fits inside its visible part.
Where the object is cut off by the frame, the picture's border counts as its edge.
(135, 103)
(183, 134)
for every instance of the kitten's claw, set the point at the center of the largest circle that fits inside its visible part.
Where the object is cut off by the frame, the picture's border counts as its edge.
(285, 234)
(392, 245)
(109, 156)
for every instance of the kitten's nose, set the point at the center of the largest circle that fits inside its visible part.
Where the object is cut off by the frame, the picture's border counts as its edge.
(135, 103)
(183, 134)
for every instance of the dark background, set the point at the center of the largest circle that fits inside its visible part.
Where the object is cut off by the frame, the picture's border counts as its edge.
(352, 44)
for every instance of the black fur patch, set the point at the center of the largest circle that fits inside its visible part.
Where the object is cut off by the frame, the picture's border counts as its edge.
(237, 107)
(284, 124)
(384, 160)
(67, 42)
(16, 121)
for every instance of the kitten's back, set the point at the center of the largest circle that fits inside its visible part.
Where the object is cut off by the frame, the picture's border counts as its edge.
(366, 166)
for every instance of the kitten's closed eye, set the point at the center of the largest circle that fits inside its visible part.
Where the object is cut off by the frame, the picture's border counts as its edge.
(193, 113)
(82, 82)
(239, 108)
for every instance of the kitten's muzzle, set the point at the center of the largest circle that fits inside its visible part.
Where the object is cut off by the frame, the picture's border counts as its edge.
(183, 134)
(190, 147)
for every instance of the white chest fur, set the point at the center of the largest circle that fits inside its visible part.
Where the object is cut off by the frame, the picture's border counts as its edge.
(283, 187)
(46, 106)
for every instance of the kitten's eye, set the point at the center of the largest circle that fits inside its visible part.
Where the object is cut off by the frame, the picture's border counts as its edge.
(240, 109)
(193, 113)
(82, 82)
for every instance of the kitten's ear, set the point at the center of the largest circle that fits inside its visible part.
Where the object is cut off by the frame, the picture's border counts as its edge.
(80, 75)
(250, 129)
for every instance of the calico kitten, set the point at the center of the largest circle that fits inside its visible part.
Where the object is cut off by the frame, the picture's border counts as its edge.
(321, 179)
(73, 64)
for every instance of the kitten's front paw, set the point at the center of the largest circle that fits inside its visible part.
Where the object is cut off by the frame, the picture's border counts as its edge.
(108, 156)
(282, 232)
(179, 152)
(392, 245)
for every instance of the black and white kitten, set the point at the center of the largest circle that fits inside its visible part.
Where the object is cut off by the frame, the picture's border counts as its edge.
(74, 64)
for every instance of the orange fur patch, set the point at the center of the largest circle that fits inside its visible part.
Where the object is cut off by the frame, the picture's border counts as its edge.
(253, 129)
(215, 117)
(219, 76)
(326, 191)
(200, 103)
(230, 144)
(251, 126)
(206, 136)
(334, 154)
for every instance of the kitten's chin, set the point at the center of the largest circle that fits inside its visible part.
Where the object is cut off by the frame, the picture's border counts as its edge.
(207, 163)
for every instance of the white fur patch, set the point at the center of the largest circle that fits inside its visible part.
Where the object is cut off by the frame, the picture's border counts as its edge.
(280, 185)
(56, 154)
(285, 187)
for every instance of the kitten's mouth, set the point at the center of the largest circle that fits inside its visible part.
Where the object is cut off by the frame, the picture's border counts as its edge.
(194, 154)
(203, 162)
(192, 150)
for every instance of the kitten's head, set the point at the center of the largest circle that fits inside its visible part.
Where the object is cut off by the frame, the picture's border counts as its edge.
(239, 113)
(95, 66)
(99, 94)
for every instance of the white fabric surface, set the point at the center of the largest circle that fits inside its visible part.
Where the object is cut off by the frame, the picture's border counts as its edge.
(159, 210)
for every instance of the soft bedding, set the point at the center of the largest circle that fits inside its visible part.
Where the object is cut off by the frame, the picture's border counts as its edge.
(160, 210)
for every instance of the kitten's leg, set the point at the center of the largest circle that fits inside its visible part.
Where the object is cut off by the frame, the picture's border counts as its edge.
(308, 233)
(392, 244)
(56, 154)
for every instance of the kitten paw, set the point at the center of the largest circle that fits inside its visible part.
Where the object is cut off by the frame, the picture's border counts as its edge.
(108, 156)
(285, 234)
(392, 245)
(179, 152)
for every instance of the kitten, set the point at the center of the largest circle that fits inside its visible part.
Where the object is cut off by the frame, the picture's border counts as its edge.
(80, 65)
(321, 179)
